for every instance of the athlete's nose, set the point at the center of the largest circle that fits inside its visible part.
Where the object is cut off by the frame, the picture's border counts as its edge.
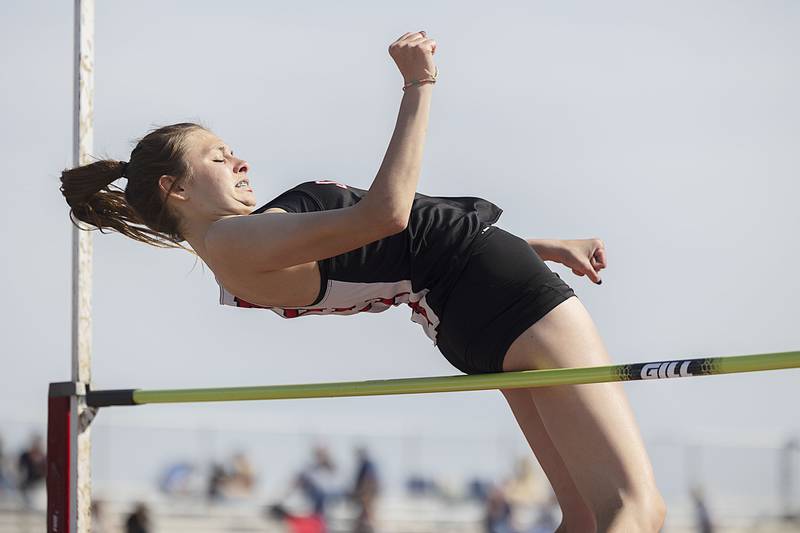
(241, 166)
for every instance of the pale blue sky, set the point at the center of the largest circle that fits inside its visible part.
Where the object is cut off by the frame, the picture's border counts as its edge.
(669, 130)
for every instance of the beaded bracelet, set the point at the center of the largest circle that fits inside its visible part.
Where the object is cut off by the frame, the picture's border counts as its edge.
(414, 83)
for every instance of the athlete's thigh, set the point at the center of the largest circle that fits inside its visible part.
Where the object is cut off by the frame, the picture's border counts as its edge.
(577, 515)
(592, 426)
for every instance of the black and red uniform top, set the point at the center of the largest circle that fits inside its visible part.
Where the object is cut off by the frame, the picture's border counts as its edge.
(402, 268)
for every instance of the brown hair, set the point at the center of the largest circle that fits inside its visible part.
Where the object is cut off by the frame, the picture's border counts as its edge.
(140, 211)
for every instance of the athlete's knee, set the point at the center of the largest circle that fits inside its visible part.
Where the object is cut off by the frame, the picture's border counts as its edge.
(642, 510)
(656, 510)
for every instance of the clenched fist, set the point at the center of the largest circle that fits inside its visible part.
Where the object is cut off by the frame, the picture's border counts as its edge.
(413, 54)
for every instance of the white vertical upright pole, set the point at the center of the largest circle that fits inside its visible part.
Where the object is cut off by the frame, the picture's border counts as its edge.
(83, 130)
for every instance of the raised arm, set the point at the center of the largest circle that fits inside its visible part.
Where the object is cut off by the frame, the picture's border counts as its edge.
(273, 241)
(393, 189)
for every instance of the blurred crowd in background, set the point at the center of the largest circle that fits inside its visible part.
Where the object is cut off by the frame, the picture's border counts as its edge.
(522, 502)
(320, 485)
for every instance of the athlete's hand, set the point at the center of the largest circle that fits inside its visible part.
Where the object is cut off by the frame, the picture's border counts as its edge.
(586, 257)
(413, 54)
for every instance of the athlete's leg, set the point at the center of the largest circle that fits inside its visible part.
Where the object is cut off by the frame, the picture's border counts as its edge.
(592, 426)
(576, 514)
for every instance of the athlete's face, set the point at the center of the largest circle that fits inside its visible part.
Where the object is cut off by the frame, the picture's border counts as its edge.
(211, 191)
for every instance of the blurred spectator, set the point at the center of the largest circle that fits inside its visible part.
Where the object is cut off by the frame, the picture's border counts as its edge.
(317, 487)
(6, 485)
(297, 523)
(178, 478)
(365, 491)
(417, 485)
(237, 480)
(787, 470)
(498, 513)
(317, 481)
(704, 524)
(241, 477)
(216, 481)
(521, 503)
(479, 489)
(99, 518)
(526, 488)
(32, 467)
(139, 520)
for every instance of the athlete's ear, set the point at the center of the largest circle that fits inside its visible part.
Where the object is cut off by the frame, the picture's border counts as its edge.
(178, 192)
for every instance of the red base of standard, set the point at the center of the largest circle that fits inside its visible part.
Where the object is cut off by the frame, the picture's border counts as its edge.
(58, 458)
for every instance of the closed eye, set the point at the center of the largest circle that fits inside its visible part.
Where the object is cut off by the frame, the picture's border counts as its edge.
(219, 160)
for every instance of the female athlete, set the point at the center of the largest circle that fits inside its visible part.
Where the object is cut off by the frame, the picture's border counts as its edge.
(482, 295)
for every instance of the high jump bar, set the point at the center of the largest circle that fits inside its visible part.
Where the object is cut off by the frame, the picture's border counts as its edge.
(680, 368)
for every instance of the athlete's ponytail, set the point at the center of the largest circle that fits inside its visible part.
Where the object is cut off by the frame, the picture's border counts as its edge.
(139, 211)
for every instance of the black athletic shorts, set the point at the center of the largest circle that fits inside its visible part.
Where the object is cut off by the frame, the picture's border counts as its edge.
(504, 288)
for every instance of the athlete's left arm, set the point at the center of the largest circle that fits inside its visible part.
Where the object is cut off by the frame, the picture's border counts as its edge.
(586, 257)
